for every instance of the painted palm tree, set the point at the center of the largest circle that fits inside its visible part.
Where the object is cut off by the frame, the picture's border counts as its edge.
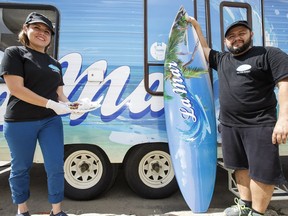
(178, 71)
(179, 36)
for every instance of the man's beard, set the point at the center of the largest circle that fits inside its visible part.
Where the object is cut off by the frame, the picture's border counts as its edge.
(241, 49)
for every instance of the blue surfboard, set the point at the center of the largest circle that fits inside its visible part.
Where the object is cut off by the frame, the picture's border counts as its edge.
(190, 115)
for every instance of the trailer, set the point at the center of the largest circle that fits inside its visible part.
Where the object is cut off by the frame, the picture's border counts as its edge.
(113, 51)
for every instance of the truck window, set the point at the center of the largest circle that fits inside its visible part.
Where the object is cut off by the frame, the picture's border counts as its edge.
(158, 22)
(276, 31)
(239, 10)
(12, 17)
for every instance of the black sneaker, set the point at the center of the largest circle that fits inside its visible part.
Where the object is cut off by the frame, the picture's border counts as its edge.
(59, 214)
(238, 210)
(24, 214)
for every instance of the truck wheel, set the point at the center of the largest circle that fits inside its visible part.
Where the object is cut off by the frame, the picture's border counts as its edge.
(88, 172)
(148, 171)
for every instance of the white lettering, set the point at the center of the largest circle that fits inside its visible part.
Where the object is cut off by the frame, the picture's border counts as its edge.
(178, 88)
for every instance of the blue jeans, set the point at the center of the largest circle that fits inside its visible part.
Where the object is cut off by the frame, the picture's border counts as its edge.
(22, 138)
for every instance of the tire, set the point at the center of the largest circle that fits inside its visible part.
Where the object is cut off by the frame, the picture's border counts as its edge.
(149, 173)
(88, 172)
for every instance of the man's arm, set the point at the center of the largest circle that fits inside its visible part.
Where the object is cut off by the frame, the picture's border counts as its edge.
(202, 39)
(280, 132)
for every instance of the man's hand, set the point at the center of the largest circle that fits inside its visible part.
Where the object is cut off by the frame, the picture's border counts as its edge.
(191, 20)
(280, 132)
(201, 37)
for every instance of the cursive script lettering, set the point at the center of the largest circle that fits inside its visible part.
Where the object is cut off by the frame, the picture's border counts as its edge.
(179, 87)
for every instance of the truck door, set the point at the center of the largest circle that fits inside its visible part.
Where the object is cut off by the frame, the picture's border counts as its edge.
(215, 16)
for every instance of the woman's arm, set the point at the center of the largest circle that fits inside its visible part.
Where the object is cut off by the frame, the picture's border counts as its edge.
(61, 96)
(16, 87)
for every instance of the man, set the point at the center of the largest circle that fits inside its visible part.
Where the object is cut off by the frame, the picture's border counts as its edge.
(249, 126)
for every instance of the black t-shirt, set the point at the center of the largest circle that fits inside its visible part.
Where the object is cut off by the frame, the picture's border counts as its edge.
(246, 85)
(41, 73)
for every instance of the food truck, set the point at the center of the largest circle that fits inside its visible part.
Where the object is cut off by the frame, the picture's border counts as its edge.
(113, 52)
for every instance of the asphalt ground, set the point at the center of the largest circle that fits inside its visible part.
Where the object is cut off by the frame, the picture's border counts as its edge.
(121, 200)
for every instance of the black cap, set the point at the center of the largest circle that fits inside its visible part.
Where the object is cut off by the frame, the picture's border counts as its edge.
(238, 23)
(35, 17)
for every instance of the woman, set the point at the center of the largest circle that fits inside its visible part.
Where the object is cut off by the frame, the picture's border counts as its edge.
(36, 100)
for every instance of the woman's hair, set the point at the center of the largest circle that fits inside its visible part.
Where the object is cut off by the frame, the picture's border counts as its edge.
(24, 40)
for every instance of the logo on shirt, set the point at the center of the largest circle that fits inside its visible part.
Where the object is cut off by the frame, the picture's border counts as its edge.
(244, 69)
(54, 68)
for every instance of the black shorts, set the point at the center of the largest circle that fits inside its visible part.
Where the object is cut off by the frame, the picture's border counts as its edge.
(251, 148)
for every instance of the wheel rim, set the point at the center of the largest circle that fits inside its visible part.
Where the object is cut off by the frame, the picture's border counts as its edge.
(83, 169)
(155, 169)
